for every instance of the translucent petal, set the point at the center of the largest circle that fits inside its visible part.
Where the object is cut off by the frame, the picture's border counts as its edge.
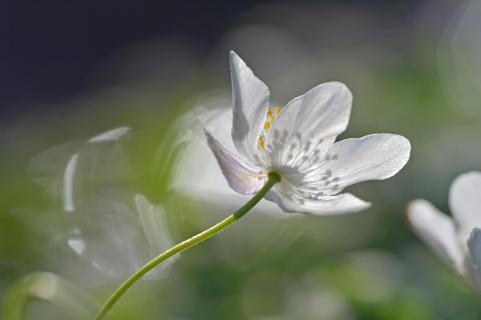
(187, 178)
(112, 135)
(240, 177)
(329, 205)
(251, 100)
(465, 201)
(438, 231)
(309, 123)
(68, 183)
(155, 228)
(209, 184)
(99, 228)
(373, 157)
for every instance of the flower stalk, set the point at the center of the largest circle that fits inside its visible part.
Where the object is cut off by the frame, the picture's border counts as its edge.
(273, 178)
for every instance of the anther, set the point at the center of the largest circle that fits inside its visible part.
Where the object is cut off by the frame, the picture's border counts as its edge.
(262, 143)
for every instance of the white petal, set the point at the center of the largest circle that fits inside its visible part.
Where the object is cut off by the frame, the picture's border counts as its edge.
(250, 99)
(373, 157)
(207, 184)
(313, 119)
(111, 135)
(155, 227)
(465, 201)
(69, 183)
(240, 178)
(329, 205)
(438, 231)
(474, 247)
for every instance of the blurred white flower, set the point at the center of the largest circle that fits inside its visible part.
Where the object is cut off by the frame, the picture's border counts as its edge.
(298, 142)
(209, 184)
(456, 240)
(102, 228)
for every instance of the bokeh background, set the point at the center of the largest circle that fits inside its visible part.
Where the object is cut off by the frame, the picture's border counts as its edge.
(71, 71)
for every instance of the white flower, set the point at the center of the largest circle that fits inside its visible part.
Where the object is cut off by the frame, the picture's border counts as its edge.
(102, 228)
(298, 142)
(456, 240)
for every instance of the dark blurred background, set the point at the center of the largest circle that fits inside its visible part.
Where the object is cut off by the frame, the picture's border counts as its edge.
(52, 49)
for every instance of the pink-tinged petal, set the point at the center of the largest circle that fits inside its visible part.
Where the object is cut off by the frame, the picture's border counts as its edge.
(328, 205)
(250, 103)
(208, 184)
(240, 178)
(465, 201)
(438, 231)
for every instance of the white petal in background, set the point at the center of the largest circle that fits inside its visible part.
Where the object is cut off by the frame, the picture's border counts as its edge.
(438, 231)
(197, 174)
(103, 229)
(465, 201)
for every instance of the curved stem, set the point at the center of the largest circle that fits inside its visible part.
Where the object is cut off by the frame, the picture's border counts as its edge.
(273, 178)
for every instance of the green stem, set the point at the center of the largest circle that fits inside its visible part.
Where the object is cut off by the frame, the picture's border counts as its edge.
(273, 178)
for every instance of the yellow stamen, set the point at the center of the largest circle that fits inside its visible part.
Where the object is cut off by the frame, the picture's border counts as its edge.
(272, 114)
(262, 143)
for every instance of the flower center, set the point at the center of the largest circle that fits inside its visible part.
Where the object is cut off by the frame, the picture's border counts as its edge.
(271, 116)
